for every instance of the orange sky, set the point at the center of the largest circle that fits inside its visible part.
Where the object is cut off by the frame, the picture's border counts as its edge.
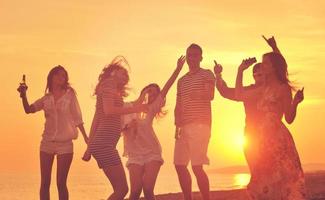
(83, 37)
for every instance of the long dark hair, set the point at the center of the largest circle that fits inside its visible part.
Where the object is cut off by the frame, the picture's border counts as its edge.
(257, 67)
(53, 71)
(281, 68)
(162, 112)
(118, 63)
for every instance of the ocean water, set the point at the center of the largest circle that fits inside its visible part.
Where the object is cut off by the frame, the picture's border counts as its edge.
(95, 186)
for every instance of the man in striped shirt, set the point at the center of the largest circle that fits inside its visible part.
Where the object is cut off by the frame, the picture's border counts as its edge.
(195, 91)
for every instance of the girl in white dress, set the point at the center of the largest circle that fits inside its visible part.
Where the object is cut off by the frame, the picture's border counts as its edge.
(141, 144)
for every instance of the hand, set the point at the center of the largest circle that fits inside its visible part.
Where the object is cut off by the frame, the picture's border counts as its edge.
(217, 68)
(87, 156)
(299, 97)
(180, 62)
(246, 63)
(271, 41)
(22, 89)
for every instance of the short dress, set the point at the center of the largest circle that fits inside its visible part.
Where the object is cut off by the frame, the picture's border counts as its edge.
(141, 144)
(108, 129)
(277, 172)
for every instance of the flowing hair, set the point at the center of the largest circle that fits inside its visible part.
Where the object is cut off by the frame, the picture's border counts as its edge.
(53, 71)
(257, 67)
(162, 112)
(118, 63)
(281, 68)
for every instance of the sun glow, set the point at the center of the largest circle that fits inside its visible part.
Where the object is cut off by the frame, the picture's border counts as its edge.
(242, 180)
(34, 42)
(240, 140)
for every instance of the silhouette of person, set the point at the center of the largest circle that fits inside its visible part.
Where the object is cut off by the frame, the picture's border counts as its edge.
(277, 172)
(141, 145)
(106, 125)
(62, 117)
(195, 91)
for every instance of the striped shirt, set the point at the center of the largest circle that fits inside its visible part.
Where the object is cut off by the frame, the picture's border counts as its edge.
(108, 128)
(189, 107)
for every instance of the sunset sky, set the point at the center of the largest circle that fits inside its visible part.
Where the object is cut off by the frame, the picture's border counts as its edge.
(83, 36)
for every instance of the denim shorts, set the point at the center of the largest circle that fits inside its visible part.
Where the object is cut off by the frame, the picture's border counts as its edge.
(54, 147)
(143, 159)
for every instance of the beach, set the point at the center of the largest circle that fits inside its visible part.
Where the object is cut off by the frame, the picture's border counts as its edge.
(95, 186)
(315, 182)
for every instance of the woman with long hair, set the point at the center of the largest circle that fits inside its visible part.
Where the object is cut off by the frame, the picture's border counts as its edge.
(106, 126)
(62, 117)
(277, 172)
(141, 145)
(250, 104)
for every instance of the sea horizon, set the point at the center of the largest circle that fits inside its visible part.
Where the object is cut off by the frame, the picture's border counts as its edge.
(88, 186)
(95, 185)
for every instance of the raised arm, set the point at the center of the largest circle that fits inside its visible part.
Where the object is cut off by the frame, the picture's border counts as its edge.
(225, 91)
(240, 93)
(272, 43)
(111, 109)
(109, 95)
(171, 80)
(22, 89)
(221, 85)
(239, 78)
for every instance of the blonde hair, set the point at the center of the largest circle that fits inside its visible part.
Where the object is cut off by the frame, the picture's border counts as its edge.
(118, 63)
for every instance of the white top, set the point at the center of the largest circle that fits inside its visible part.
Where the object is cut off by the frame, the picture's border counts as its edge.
(61, 117)
(140, 138)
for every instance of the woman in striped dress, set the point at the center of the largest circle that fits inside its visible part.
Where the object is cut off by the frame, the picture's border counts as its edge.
(106, 126)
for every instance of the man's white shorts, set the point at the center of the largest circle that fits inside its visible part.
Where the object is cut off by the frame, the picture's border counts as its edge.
(192, 145)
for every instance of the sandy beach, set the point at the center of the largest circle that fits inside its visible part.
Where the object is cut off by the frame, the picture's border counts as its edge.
(315, 182)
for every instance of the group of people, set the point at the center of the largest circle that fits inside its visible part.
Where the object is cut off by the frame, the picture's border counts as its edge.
(270, 152)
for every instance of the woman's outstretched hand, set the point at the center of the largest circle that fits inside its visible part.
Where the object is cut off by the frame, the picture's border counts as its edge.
(299, 97)
(246, 63)
(271, 41)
